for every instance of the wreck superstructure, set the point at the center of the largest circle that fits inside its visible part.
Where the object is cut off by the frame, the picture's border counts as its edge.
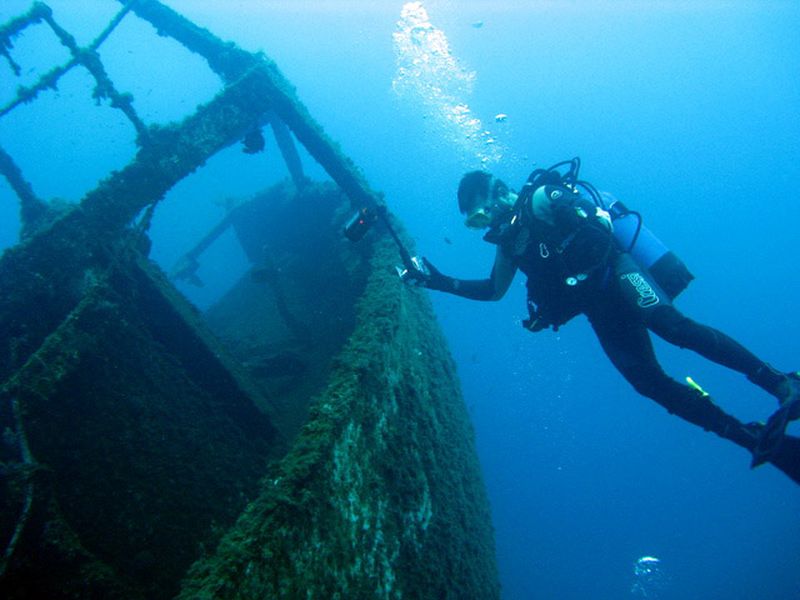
(303, 438)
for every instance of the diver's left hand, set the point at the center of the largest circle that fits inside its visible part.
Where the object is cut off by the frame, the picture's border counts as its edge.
(535, 321)
(535, 325)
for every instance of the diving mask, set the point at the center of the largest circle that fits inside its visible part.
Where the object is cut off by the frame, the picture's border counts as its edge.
(480, 218)
(486, 213)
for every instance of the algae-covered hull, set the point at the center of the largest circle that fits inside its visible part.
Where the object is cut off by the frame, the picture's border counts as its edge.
(303, 438)
(380, 494)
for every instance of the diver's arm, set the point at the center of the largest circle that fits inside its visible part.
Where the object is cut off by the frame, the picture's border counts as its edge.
(493, 288)
(503, 273)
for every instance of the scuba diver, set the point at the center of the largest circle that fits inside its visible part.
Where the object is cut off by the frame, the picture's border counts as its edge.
(586, 253)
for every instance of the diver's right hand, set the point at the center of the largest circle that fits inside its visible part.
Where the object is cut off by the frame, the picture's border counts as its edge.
(417, 273)
(436, 280)
(422, 273)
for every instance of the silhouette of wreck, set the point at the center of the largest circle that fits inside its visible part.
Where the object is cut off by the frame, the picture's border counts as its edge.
(304, 438)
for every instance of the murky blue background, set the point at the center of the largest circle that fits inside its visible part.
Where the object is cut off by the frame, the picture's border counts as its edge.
(688, 111)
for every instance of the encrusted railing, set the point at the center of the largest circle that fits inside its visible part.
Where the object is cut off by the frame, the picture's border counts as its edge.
(254, 95)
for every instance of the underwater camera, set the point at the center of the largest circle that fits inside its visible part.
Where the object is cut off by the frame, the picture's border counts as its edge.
(358, 225)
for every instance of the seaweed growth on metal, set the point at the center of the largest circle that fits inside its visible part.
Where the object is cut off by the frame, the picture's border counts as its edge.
(315, 428)
(381, 486)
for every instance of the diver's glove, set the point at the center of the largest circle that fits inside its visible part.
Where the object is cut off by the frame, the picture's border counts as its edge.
(535, 321)
(535, 324)
(415, 273)
(437, 280)
(423, 274)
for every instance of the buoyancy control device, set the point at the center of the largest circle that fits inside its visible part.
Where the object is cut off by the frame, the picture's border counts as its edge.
(630, 233)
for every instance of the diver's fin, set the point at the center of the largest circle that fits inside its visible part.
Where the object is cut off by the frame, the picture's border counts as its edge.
(786, 457)
(793, 399)
(772, 436)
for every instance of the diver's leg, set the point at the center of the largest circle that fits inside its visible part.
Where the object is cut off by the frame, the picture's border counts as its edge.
(676, 328)
(670, 324)
(639, 293)
(627, 343)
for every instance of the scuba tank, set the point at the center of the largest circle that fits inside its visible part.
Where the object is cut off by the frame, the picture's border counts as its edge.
(630, 234)
(649, 252)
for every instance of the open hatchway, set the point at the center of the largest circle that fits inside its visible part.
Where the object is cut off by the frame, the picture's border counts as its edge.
(293, 308)
(303, 437)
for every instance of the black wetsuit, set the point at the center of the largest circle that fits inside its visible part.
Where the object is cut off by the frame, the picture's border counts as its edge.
(622, 302)
(628, 304)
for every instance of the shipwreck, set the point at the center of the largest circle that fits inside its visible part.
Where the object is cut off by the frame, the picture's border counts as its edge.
(305, 437)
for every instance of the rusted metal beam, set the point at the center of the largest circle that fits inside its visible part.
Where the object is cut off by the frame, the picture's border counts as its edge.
(83, 237)
(230, 62)
(289, 151)
(225, 59)
(80, 56)
(31, 207)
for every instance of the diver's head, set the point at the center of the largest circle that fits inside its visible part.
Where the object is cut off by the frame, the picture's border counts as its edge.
(482, 198)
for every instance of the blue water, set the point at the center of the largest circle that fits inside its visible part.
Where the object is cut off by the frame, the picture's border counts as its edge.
(686, 111)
